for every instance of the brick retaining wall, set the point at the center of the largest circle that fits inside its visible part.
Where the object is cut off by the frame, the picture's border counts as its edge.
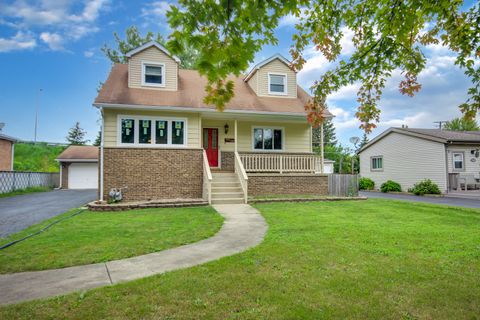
(271, 184)
(154, 173)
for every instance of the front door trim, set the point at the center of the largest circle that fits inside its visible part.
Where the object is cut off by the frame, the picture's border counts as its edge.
(218, 146)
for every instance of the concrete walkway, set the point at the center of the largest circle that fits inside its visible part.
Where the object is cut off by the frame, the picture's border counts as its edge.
(243, 228)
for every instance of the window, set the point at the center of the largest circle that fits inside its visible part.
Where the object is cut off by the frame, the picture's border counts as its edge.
(128, 129)
(458, 163)
(153, 74)
(277, 84)
(267, 139)
(149, 131)
(377, 163)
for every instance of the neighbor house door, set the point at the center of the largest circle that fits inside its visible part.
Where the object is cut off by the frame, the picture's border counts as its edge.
(210, 144)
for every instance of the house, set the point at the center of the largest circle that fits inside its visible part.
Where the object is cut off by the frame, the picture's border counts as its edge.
(79, 167)
(7, 150)
(407, 156)
(161, 141)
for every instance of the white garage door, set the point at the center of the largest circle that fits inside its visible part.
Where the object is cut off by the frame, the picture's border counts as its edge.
(83, 176)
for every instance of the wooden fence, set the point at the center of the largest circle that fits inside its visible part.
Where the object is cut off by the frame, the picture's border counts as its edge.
(343, 185)
(16, 180)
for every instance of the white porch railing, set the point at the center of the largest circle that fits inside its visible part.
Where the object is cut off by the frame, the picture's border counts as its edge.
(282, 163)
(242, 175)
(207, 179)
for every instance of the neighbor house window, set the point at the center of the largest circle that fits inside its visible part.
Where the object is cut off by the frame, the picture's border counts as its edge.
(277, 83)
(458, 161)
(267, 139)
(150, 131)
(377, 163)
(153, 74)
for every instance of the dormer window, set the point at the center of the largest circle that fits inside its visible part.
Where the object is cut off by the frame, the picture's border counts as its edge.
(153, 74)
(277, 84)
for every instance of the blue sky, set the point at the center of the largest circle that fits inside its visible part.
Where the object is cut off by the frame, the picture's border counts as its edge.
(54, 45)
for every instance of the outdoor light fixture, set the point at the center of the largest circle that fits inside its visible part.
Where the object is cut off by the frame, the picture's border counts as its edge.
(226, 128)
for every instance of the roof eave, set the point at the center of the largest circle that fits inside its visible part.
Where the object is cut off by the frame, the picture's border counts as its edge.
(150, 44)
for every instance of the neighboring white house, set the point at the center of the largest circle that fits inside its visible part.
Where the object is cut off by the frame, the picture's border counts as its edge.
(407, 156)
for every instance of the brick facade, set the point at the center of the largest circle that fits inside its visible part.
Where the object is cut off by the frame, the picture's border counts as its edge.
(228, 161)
(153, 174)
(64, 181)
(272, 184)
(5, 155)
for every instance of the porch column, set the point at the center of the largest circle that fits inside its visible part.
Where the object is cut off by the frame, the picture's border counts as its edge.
(235, 137)
(321, 149)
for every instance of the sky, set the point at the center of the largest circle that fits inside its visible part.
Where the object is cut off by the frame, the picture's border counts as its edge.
(50, 58)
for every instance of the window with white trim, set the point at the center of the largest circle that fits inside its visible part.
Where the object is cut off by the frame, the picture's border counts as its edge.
(148, 131)
(377, 163)
(277, 83)
(153, 74)
(267, 139)
(458, 161)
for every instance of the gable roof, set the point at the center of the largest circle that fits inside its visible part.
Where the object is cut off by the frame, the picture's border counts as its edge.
(8, 138)
(436, 135)
(190, 94)
(73, 153)
(152, 44)
(277, 56)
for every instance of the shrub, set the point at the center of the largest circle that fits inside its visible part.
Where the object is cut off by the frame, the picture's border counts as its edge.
(366, 184)
(391, 186)
(425, 187)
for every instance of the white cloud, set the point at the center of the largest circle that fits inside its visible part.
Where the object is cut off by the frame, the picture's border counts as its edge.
(89, 53)
(156, 8)
(59, 21)
(20, 41)
(53, 40)
(291, 20)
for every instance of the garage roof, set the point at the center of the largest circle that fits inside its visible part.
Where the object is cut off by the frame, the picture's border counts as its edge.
(79, 154)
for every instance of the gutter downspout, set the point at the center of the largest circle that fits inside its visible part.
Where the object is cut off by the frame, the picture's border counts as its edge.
(13, 152)
(101, 154)
(322, 162)
(61, 175)
(446, 169)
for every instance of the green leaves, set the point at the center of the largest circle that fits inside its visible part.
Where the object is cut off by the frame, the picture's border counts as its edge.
(388, 35)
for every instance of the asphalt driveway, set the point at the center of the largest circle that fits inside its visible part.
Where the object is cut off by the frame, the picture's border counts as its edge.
(19, 212)
(450, 201)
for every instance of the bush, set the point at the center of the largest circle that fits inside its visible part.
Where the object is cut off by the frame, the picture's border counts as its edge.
(366, 184)
(391, 186)
(425, 187)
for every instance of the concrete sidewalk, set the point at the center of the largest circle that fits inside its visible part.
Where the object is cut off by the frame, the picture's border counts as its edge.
(243, 228)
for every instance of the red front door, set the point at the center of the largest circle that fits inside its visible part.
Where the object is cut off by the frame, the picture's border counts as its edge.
(210, 144)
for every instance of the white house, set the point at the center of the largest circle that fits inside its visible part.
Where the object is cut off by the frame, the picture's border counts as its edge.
(451, 159)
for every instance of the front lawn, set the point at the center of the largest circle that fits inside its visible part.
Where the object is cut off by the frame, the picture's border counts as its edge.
(374, 259)
(104, 236)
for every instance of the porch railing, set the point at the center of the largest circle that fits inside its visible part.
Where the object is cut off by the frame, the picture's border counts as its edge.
(207, 179)
(242, 175)
(281, 163)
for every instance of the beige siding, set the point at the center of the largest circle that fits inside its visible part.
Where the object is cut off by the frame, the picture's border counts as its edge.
(220, 124)
(471, 167)
(152, 54)
(406, 160)
(253, 82)
(276, 66)
(111, 123)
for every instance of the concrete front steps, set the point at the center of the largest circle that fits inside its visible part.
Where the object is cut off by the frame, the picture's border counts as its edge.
(226, 189)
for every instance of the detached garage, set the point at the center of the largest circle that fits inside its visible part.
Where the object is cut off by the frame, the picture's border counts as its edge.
(79, 167)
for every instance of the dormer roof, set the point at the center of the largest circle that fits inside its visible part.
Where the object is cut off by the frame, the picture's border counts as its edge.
(276, 56)
(152, 44)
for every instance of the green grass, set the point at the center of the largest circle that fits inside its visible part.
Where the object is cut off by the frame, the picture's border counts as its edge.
(24, 191)
(38, 157)
(100, 236)
(375, 259)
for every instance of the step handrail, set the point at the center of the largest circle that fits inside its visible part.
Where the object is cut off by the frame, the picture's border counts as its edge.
(207, 179)
(242, 175)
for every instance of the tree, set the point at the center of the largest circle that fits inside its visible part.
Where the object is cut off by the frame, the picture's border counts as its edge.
(329, 135)
(76, 135)
(363, 142)
(462, 124)
(98, 139)
(133, 39)
(388, 36)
